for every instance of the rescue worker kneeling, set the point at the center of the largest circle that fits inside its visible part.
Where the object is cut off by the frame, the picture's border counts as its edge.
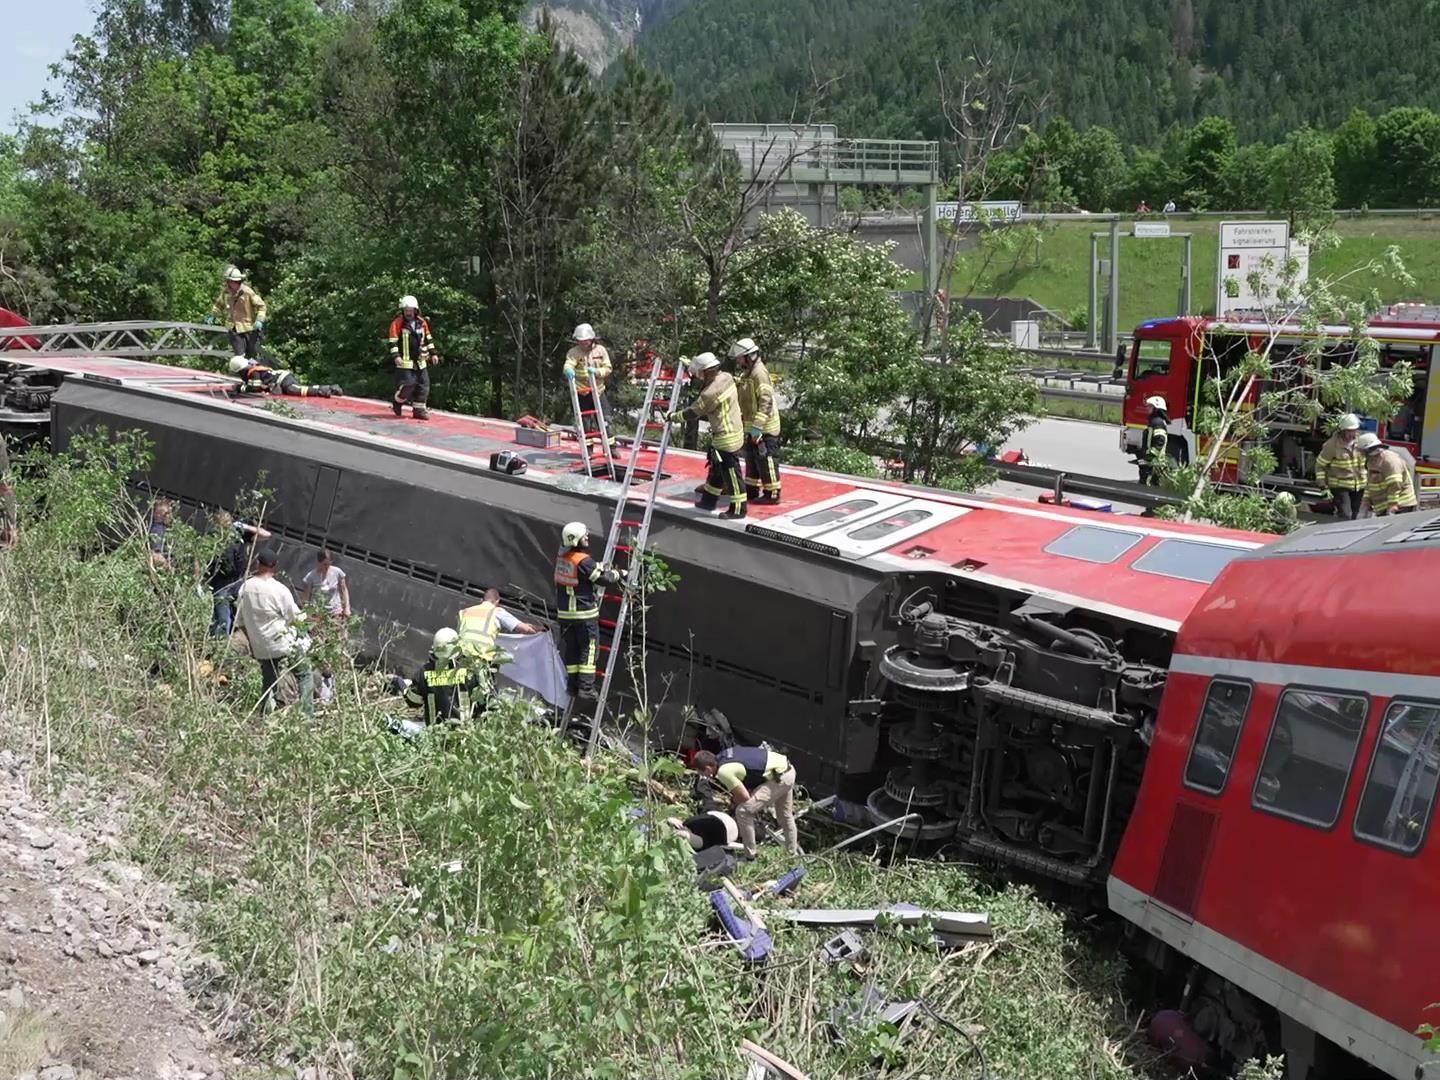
(577, 606)
(257, 378)
(445, 688)
(755, 777)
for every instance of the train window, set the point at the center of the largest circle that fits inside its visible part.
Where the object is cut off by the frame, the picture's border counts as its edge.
(832, 514)
(1187, 559)
(885, 526)
(1400, 789)
(1216, 733)
(1093, 544)
(1308, 758)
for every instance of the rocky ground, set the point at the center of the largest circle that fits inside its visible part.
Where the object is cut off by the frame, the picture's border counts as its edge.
(95, 979)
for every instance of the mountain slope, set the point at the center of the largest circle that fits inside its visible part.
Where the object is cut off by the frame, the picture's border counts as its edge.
(1136, 66)
(599, 30)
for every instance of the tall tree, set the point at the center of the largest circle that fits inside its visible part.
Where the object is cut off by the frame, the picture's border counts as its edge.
(1302, 181)
(1355, 159)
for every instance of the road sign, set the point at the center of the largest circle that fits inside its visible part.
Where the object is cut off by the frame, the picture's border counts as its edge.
(1151, 228)
(981, 211)
(1249, 249)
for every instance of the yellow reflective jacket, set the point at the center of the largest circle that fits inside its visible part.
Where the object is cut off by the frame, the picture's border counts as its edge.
(1339, 466)
(719, 404)
(758, 407)
(241, 310)
(1389, 485)
(596, 360)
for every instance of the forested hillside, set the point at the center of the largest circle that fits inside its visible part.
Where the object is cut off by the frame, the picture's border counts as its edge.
(1135, 66)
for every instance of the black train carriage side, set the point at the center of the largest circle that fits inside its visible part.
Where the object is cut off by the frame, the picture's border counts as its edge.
(779, 639)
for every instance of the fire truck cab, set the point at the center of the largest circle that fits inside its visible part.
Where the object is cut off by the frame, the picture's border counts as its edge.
(1168, 357)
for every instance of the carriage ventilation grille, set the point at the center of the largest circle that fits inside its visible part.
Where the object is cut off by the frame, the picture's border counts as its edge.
(1430, 530)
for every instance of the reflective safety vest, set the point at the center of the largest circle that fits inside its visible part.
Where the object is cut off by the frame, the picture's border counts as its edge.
(445, 692)
(259, 379)
(575, 576)
(1339, 466)
(411, 346)
(478, 627)
(760, 764)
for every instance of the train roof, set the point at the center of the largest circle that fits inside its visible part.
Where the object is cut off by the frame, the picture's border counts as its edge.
(1332, 599)
(1141, 570)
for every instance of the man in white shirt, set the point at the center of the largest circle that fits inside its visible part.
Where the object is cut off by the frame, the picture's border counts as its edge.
(268, 614)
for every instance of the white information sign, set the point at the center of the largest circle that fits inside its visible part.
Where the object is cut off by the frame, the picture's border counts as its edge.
(1248, 248)
(982, 211)
(1151, 228)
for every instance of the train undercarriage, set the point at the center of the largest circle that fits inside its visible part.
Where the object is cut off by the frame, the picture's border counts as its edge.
(1023, 744)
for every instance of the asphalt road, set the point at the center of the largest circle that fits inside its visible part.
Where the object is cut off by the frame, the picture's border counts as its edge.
(1073, 445)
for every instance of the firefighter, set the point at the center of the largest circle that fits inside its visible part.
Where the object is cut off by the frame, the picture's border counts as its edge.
(1155, 439)
(587, 358)
(482, 623)
(412, 351)
(577, 605)
(718, 403)
(760, 417)
(243, 310)
(754, 777)
(445, 688)
(1340, 467)
(1389, 485)
(256, 378)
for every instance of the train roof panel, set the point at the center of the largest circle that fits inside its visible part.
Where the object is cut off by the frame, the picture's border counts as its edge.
(1144, 570)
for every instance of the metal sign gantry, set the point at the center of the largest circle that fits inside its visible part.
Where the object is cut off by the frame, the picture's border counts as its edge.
(136, 339)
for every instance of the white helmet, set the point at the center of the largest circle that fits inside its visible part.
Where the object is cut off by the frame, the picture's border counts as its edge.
(583, 332)
(574, 534)
(1367, 441)
(744, 347)
(1156, 402)
(409, 301)
(444, 641)
(1348, 422)
(703, 362)
(233, 273)
(238, 364)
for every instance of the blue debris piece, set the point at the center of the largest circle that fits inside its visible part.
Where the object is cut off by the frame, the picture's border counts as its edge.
(787, 882)
(753, 944)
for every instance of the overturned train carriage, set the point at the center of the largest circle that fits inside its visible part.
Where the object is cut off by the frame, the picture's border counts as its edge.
(1014, 723)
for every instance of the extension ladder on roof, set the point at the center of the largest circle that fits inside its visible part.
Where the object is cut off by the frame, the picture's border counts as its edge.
(630, 527)
(601, 429)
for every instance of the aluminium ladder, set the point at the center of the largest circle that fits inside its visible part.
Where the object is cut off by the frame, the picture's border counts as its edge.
(630, 528)
(601, 428)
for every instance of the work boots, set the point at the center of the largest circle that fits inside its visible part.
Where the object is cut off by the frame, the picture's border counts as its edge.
(421, 412)
(734, 513)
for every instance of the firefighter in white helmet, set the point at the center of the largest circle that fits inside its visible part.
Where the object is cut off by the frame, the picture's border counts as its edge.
(1340, 468)
(412, 352)
(587, 359)
(1155, 439)
(243, 310)
(577, 606)
(258, 378)
(1389, 484)
(446, 688)
(760, 417)
(719, 404)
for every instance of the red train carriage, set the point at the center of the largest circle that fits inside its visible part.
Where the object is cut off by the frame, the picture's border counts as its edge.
(1280, 837)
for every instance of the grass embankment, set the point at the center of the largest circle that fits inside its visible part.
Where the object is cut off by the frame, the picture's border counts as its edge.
(469, 905)
(1056, 271)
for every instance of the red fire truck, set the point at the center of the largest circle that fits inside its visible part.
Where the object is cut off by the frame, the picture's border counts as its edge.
(1168, 356)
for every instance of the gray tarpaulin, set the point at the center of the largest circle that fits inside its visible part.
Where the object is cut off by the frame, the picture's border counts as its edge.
(536, 667)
